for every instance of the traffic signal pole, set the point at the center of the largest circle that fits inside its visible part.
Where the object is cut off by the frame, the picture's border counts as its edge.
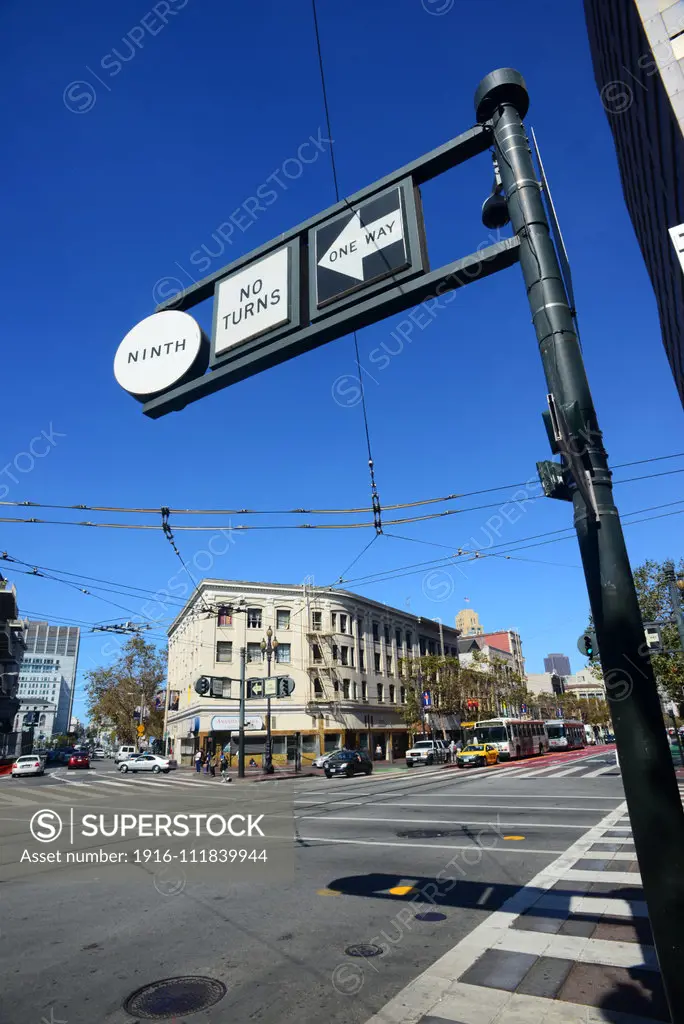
(241, 720)
(676, 598)
(653, 799)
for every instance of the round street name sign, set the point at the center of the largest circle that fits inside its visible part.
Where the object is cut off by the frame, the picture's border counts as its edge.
(163, 350)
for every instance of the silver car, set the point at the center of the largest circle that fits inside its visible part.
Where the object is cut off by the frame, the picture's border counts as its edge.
(146, 763)
(28, 764)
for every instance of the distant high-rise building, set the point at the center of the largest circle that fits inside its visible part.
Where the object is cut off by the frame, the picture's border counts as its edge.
(637, 48)
(48, 668)
(558, 664)
(468, 623)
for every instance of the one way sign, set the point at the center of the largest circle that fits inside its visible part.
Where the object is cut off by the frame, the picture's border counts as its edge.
(368, 243)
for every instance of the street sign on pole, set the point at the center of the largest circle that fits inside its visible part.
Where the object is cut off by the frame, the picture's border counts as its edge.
(256, 300)
(362, 245)
(255, 688)
(160, 352)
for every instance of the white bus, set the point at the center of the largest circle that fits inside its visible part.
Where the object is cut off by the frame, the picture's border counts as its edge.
(512, 737)
(566, 735)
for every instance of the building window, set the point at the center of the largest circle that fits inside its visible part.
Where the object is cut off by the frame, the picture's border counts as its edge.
(334, 652)
(317, 621)
(392, 693)
(355, 690)
(402, 694)
(224, 650)
(376, 631)
(254, 618)
(409, 642)
(282, 618)
(225, 616)
(364, 690)
(318, 689)
(343, 623)
(359, 626)
(387, 635)
(397, 637)
(344, 651)
(254, 652)
(362, 660)
(316, 654)
(283, 653)
(346, 688)
(381, 693)
(377, 662)
(351, 656)
(336, 685)
(333, 621)
(389, 664)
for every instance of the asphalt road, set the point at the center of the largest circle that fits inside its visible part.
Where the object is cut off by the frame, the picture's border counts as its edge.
(410, 862)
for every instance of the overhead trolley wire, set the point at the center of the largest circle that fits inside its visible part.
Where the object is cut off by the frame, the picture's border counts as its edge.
(325, 511)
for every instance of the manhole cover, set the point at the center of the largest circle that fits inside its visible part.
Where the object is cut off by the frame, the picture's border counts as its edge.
(363, 949)
(431, 915)
(429, 833)
(173, 997)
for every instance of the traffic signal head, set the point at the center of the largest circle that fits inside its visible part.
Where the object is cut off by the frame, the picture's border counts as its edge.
(587, 645)
(286, 685)
(202, 686)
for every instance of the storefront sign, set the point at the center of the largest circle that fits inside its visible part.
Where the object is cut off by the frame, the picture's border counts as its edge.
(229, 723)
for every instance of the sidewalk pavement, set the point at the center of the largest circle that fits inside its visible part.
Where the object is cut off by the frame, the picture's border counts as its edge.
(574, 946)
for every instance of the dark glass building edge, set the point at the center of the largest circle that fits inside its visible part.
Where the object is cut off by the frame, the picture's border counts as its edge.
(650, 152)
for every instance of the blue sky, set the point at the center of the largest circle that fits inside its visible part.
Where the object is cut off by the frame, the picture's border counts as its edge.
(114, 184)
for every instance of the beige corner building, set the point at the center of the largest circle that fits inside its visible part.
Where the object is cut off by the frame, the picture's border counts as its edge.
(343, 652)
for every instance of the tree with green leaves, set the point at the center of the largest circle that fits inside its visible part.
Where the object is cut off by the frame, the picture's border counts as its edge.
(488, 682)
(116, 692)
(656, 605)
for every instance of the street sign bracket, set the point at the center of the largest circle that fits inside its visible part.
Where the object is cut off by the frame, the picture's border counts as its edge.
(255, 356)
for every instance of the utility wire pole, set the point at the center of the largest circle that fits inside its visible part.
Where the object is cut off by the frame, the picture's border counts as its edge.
(676, 597)
(653, 799)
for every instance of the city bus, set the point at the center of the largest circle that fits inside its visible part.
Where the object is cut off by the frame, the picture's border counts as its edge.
(566, 735)
(513, 737)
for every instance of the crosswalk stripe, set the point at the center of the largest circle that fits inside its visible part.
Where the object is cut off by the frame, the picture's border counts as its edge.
(568, 771)
(601, 771)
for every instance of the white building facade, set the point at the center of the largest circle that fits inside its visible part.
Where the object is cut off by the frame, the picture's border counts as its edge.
(48, 669)
(343, 652)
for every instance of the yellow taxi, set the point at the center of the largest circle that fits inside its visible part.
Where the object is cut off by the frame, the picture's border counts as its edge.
(477, 755)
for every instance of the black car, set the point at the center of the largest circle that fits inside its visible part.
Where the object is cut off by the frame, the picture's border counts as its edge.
(348, 762)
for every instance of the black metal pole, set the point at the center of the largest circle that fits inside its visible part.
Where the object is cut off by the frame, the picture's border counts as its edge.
(241, 726)
(651, 791)
(268, 767)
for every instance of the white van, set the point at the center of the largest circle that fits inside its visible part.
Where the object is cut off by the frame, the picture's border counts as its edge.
(123, 753)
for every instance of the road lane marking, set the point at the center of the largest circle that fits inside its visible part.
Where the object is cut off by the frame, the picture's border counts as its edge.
(569, 771)
(478, 807)
(621, 877)
(440, 821)
(524, 850)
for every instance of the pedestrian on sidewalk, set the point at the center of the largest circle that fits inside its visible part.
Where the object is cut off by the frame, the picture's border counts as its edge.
(378, 752)
(206, 762)
(212, 766)
(223, 764)
(198, 761)
(452, 750)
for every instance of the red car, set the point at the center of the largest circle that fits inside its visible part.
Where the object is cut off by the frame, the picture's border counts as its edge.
(79, 759)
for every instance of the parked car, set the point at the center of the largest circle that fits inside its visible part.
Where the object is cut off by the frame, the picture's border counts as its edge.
(28, 764)
(348, 762)
(427, 752)
(322, 760)
(79, 759)
(146, 763)
(99, 752)
(123, 753)
(477, 755)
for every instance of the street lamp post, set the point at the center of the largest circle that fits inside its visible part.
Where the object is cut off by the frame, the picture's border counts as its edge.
(268, 646)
